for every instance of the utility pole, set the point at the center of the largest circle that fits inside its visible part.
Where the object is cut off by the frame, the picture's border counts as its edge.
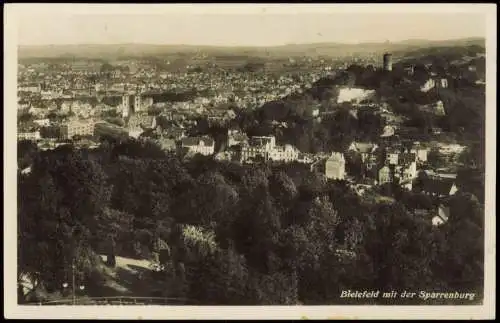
(73, 280)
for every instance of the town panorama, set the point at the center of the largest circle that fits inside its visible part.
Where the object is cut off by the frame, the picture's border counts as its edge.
(302, 174)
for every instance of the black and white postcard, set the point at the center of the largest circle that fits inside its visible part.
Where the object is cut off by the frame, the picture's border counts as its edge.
(168, 161)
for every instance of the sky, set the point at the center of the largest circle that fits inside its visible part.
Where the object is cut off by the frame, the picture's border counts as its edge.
(239, 27)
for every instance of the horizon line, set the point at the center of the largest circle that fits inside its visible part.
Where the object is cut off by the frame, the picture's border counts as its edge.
(259, 46)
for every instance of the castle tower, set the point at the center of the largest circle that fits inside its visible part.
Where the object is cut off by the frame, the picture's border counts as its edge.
(387, 62)
(125, 106)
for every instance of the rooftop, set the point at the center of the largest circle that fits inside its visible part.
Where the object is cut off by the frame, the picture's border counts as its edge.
(441, 186)
(197, 141)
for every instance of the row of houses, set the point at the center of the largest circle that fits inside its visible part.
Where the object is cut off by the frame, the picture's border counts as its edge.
(245, 150)
(75, 128)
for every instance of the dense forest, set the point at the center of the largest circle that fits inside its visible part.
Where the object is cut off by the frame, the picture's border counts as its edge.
(235, 234)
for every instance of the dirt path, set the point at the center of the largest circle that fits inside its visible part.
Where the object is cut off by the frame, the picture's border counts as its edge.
(130, 277)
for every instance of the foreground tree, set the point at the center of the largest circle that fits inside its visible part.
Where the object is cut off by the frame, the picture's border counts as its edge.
(401, 250)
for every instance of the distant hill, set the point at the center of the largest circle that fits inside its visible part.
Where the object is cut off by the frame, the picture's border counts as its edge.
(313, 49)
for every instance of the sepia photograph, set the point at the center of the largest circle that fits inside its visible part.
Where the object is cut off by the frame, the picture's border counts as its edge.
(249, 161)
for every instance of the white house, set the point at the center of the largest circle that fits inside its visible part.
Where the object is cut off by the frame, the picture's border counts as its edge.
(42, 122)
(439, 187)
(347, 94)
(335, 166)
(384, 175)
(287, 153)
(366, 150)
(442, 216)
(428, 85)
(420, 152)
(235, 137)
(388, 131)
(407, 174)
(266, 142)
(34, 135)
(305, 158)
(392, 158)
(199, 145)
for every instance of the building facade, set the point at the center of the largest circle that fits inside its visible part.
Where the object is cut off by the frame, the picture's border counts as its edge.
(132, 103)
(442, 216)
(421, 154)
(266, 142)
(77, 128)
(335, 166)
(199, 145)
(384, 175)
(428, 85)
(392, 158)
(248, 152)
(33, 135)
(235, 137)
(287, 153)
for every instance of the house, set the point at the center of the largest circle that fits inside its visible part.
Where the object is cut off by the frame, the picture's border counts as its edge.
(42, 122)
(437, 108)
(407, 158)
(388, 131)
(410, 70)
(167, 144)
(367, 150)
(421, 154)
(137, 124)
(176, 133)
(77, 128)
(335, 166)
(361, 189)
(30, 87)
(305, 158)
(406, 174)
(449, 149)
(33, 136)
(38, 112)
(264, 142)
(404, 165)
(315, 112)
(428, 85)
(312, 111)
(235, 137)
(224, 155)
(199, 145)
(286, 153)
(423, 213)
(353, 94)
(392, 157)
(443, 214)
(65, 107)
(436, 130)
(247, 152)
(384, 175)
(23, 106)
(438, 187)
(26, 170)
